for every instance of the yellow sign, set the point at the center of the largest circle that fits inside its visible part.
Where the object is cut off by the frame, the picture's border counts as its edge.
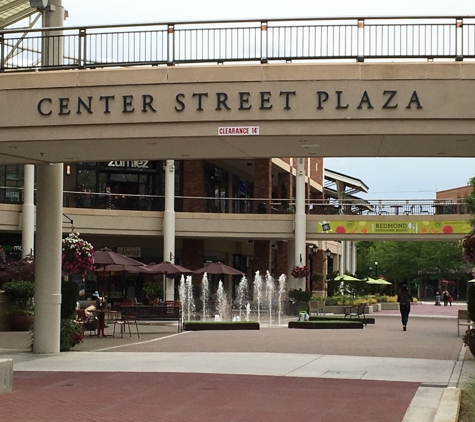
(393, 227)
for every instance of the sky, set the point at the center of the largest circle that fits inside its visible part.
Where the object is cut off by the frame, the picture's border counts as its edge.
(387, 178)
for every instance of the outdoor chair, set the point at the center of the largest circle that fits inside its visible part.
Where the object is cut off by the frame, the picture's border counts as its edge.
(126, 321)
(356, 312)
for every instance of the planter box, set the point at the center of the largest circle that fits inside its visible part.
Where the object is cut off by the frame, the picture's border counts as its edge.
(341, 309)
(341, 318)
(389, 306)
(376, 307)
(335, 309)
(327, 325)
(219, 326)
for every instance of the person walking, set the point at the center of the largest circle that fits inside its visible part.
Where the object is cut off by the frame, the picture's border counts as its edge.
(445, 297)
(437, 297)
(404, 298)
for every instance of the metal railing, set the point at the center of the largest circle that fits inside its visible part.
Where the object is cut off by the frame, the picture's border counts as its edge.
(171, 43)
(139, 202)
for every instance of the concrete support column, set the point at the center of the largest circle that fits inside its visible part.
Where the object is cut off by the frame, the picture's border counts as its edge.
(343, 258)
(48, 258)
(49, 218)
(300, 220)
(52, 49)
(28, 211)
(353, 257)
(169, 225)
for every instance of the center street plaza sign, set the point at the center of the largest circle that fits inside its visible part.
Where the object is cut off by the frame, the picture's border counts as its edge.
(393, 227)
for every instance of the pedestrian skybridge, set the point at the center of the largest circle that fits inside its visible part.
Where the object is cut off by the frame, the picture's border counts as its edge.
(372, 87)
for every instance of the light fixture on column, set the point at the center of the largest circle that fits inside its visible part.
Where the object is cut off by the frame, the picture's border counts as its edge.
(39, 4)
(68, 170)
(314, 249)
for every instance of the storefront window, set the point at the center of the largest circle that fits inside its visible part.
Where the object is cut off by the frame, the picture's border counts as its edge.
(11, 182)
(242, 190)
(216, 182)
(131, 185)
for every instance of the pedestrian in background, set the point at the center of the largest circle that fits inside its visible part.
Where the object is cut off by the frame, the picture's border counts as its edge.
(437, 297)
(404, 298)
(445, 297)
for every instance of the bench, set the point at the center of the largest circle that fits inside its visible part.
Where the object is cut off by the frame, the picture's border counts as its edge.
(463, 319)
(356, 311)
(155, 313)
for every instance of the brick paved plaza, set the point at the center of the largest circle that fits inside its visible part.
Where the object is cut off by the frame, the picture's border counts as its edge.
(274, 374)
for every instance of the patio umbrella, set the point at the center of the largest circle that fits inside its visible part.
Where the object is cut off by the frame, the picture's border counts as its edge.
(471, 281)
(136, 269)
(108, 257)
(165, 267)
(370, 280)
(346, 277)
(106, 260)
(219, 268)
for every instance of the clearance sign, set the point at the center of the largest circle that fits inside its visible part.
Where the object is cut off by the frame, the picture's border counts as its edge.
(393, 227)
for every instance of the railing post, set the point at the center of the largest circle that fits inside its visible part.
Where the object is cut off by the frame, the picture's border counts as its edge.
(459, 40)
(360, 41)
(264, 42)
(2, 52)
(82, 48)
(171, 45)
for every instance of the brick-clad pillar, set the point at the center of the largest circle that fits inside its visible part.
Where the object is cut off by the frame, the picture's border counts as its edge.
(262, 256)
(318, 268)
(194, 185)
(281, 259)
(193, 254)
(263, 184)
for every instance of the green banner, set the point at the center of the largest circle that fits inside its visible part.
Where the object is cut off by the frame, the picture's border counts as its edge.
(393, 227)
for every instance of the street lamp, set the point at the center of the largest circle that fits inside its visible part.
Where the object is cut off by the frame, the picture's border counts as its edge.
(376, 268)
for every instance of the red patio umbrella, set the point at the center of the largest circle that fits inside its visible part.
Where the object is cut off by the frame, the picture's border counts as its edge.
(107, 257)
(136, 269)
(219, 268)
(167, 268)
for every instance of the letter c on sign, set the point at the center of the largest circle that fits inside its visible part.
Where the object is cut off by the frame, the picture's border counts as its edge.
(40, 105)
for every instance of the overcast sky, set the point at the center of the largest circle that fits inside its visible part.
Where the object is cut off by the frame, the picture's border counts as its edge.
(387, 178)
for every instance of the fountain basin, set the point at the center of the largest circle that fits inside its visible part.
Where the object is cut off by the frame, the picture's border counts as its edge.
(327, 325)
(220, 325)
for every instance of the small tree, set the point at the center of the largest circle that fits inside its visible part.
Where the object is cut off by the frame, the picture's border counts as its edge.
(17, 270)
(20, 292)
(470, 201)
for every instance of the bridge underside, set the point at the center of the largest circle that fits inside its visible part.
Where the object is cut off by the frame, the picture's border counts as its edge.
(285, 110)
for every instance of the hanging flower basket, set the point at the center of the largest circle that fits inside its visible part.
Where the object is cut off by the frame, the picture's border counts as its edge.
(300, 272)
(468, 248)
(77, 256)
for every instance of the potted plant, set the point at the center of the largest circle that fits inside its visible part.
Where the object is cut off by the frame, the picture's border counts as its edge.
(469, 336)
(21, 293)
(300, 272)
(77, 255)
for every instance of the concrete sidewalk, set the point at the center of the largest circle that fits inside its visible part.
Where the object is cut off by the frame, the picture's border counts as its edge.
(376, 374)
